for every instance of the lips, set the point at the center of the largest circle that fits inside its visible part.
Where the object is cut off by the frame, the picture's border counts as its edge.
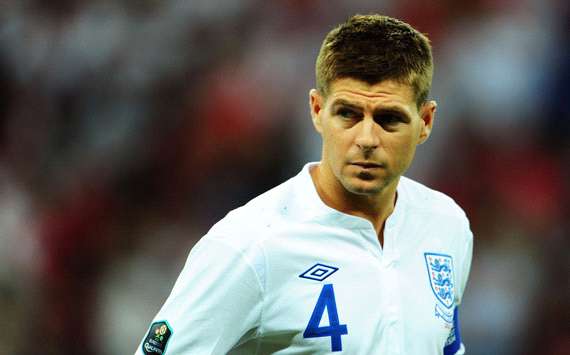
(367, 165)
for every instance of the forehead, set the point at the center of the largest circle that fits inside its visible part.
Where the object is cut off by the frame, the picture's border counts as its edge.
(384, 93)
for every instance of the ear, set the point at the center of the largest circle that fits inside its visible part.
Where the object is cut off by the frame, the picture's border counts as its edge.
(316, 102)
(427, 116)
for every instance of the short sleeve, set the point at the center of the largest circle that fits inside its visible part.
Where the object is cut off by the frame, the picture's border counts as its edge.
(454, 344)
(214, 303)
(466, 253)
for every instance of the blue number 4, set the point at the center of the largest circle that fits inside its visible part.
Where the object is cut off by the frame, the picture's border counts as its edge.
(334, 329)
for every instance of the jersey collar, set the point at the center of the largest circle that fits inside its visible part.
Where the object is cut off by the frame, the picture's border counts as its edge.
(316, 210)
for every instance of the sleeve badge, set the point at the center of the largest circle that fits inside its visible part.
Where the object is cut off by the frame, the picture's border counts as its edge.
(157, 338)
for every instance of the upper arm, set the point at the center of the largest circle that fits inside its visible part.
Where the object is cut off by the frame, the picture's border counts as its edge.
(466, 255)
(215, 301)
(454, 344)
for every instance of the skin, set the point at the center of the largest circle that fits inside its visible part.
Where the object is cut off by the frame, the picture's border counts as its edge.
(370, 134)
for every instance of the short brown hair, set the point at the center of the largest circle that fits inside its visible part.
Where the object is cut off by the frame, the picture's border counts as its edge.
(374, 48)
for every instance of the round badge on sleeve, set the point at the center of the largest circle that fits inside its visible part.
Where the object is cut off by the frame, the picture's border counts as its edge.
(157, 338)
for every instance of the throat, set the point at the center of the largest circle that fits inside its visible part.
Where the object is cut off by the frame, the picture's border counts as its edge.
(375, 209)
(378, 222)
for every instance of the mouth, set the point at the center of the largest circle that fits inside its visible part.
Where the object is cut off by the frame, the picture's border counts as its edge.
(367, 165)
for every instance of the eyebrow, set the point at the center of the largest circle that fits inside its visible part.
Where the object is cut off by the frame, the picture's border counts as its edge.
(383, 110)
(342, 102)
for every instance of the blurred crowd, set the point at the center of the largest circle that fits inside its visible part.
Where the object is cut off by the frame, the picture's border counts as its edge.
(128, 127)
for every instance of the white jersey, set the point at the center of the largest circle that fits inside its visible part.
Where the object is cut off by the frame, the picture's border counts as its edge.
(286, 274)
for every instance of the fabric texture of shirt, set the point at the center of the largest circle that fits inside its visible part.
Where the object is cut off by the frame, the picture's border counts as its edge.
(286, 274)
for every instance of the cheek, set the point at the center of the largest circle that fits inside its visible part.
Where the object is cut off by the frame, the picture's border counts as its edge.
(407, 152)
(401, 149)
(331, 142)
(331, 151)
(336, 148)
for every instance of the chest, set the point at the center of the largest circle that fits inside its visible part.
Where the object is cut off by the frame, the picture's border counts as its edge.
(339, 291)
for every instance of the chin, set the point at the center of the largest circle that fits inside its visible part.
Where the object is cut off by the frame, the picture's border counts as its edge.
(363, 187)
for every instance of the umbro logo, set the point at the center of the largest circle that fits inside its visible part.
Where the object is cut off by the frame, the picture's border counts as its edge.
(319, 272)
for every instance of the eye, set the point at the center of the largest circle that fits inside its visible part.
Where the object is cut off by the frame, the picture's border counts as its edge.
(347, 113)
(388, 119)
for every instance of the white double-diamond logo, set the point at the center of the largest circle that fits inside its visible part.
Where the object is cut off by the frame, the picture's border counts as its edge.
(319, 272)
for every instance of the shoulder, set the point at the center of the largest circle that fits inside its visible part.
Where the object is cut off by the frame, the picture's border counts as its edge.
(443, 215)
(429, 201)
(243, 231)
(247, 225)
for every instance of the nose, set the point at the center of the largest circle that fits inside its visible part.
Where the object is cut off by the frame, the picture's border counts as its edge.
(366, 138)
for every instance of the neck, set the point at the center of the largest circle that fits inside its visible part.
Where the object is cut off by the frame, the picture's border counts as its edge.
(374, 207)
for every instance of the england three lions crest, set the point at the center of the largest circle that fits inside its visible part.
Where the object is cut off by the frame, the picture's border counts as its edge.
(441, 277)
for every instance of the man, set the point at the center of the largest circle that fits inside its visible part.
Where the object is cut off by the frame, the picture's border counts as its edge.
(348, 256)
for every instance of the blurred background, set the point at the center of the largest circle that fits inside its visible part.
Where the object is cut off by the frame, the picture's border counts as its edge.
(128, 127)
